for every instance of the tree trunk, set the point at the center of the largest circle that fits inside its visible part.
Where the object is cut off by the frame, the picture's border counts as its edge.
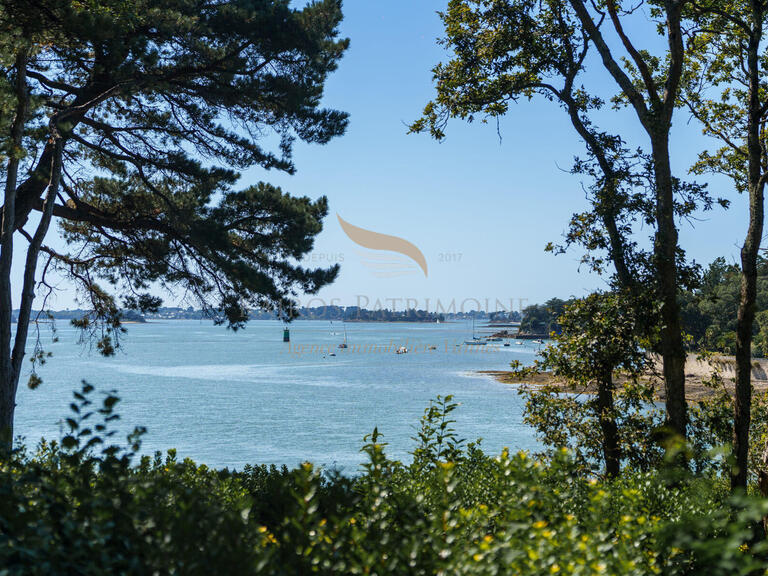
(746, 316)
(749, 252)
(665, 255)
(655, 110)
(611, 448)
(8, 379)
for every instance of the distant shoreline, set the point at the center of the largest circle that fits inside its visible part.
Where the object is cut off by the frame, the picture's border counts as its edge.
(697, 372)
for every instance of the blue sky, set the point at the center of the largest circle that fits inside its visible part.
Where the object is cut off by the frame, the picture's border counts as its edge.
(480, 209)
(496, 203)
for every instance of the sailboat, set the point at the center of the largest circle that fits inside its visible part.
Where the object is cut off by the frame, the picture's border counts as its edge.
(476, 340)
(344, 345)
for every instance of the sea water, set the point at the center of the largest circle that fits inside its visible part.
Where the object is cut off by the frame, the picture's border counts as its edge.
(228, 398)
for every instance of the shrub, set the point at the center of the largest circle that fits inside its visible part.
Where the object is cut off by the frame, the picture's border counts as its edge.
(85, 506)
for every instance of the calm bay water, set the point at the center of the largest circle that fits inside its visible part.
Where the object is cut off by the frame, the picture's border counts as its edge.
(227, 399)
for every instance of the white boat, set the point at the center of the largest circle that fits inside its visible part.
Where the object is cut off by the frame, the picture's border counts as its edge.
(402, 350)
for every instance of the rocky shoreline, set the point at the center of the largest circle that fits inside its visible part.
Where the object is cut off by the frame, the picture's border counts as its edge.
(520, 335)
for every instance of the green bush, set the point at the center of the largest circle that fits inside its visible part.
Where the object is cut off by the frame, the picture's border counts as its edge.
(83, 506)
(570, 421)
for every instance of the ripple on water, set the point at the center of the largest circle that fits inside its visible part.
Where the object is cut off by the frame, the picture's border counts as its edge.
(227, 398)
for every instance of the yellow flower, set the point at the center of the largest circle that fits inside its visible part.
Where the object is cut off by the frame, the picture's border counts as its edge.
(539, 525)
(262, 529)
(554, 569)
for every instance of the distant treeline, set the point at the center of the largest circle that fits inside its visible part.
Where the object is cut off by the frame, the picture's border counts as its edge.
(358, 314)
(709, 312)
(349, 314)
(76, 314)
(331, 313)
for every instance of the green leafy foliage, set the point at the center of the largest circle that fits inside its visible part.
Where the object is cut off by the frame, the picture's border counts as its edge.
(601, 338)
(572, 421)
(601, 331)
(86, 506)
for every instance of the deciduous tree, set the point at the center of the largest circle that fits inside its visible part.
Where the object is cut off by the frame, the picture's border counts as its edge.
(726, 91)
(508, 50)
(600, 335)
